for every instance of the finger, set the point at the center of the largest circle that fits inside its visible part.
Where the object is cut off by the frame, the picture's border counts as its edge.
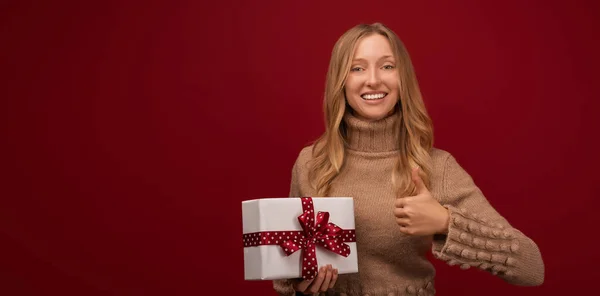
(327, 279)
(303, 285)
(400, 202)
(316, 284)
(400, 213)
(403, 222)
(334, 278)
(420, 185)
(406, 230)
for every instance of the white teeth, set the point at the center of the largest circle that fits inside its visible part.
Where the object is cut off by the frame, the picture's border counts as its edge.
(373, 96)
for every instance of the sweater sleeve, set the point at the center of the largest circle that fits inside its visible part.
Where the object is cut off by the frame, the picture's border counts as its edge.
(479, 236)
(284, 287)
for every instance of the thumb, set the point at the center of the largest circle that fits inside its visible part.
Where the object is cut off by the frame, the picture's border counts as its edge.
(419, 184)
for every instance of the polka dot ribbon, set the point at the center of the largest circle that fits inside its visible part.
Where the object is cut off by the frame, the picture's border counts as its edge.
(315, 232)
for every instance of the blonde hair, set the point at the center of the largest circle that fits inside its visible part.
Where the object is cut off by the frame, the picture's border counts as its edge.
(415, 127)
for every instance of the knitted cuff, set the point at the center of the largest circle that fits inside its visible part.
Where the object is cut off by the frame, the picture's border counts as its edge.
(474, 241)
(284, 288)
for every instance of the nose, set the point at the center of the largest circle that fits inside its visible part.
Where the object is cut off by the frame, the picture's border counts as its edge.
(373, 78)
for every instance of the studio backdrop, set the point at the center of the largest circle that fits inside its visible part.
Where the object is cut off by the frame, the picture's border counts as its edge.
(132, 131)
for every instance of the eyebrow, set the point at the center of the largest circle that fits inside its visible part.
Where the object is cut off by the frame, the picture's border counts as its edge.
(382, 58)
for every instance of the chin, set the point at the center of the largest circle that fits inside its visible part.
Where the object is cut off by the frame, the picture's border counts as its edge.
(380, 114)
(376, 116)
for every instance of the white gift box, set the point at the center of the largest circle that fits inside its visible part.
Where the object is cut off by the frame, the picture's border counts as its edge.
(280, 215)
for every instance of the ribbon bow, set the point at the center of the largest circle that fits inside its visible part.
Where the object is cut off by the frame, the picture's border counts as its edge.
(315, 232)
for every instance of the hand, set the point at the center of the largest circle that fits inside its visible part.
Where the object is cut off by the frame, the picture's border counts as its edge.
(324, 280)
(420, 214)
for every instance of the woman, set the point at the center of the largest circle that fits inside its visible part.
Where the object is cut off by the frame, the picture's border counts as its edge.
(409, 197)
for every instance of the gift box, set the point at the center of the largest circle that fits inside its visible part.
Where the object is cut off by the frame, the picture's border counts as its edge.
(288, 237)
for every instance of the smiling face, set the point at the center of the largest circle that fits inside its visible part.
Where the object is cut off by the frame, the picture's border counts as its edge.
(372, 85)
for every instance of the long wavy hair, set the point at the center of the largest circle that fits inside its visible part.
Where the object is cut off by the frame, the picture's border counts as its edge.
(415, 127)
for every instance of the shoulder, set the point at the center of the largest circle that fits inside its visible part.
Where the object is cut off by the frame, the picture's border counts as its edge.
(447, 168)
(444, 163)
(304, 157)
(440, 157)
(306, 153)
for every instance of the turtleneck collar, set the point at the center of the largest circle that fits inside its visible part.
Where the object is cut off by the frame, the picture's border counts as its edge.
(372, 136)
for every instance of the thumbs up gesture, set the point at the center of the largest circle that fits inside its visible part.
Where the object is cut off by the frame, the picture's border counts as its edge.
(420, 214)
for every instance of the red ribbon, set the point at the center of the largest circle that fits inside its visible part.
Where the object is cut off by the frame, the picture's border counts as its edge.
(314, 232)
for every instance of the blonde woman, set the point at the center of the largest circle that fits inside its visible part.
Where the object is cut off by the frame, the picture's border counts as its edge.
(409, 196)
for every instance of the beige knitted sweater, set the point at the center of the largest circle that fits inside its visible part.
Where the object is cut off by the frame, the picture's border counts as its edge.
(391, 263)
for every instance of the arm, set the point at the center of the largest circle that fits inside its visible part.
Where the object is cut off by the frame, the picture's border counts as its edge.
(479, 236)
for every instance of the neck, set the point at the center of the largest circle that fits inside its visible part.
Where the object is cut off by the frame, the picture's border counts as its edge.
(372, 135)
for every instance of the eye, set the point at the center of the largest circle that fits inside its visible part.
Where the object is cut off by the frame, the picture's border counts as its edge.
(388, 67)
(356, 69)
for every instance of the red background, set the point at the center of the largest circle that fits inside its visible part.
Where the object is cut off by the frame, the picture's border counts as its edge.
(131, 132)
